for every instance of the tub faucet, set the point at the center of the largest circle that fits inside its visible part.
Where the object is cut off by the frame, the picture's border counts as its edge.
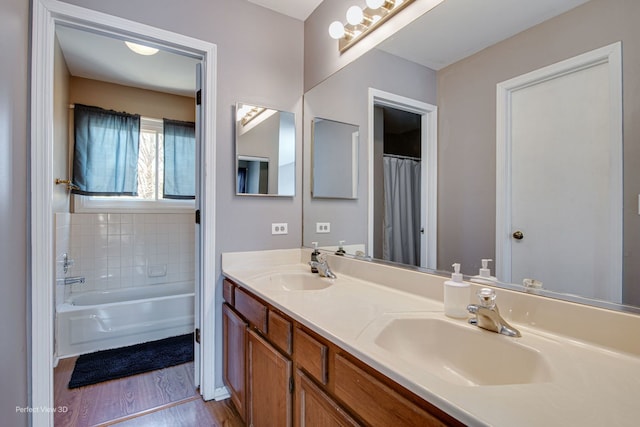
(73, 280)
(323, 267)
(487, 314)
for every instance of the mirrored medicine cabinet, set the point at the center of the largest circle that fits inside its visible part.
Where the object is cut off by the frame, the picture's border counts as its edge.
(265, 140)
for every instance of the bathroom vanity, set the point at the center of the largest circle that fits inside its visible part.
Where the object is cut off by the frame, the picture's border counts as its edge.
(373, 347)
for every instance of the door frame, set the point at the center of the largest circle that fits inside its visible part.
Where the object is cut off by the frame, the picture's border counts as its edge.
(428, 171)
(611, 55)
(46, 14)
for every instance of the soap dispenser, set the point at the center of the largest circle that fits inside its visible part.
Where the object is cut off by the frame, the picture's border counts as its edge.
(456, 295)
(314, 256)
(340, 250)
(484, 277)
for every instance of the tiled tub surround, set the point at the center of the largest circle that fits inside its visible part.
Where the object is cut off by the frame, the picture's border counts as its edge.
(592, 355)
(139, 271)
(114, 251)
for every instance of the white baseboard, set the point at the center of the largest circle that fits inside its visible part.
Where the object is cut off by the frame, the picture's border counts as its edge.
(221, 393)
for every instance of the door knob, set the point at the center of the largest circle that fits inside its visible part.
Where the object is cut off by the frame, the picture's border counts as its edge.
(518, 235)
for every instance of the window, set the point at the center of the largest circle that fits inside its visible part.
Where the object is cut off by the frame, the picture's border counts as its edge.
(150, 173)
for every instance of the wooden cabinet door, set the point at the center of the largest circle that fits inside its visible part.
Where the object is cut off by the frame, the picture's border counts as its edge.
(270, 384)
(314, 408)
(234, 359)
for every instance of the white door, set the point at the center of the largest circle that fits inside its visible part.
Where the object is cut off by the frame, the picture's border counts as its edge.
(564, 163)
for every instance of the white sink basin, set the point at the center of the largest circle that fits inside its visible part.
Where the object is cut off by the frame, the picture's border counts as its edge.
(461, 354)
(295, 281)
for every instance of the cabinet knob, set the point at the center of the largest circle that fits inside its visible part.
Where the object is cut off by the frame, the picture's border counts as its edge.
(518, 235)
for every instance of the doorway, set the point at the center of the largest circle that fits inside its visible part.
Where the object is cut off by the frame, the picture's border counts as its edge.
(398, 228)
(46, 16)
(407, 185)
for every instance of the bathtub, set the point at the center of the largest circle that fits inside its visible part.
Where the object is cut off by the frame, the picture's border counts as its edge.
(99, 320)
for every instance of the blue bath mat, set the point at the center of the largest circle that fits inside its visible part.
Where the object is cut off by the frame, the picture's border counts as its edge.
(122, 362)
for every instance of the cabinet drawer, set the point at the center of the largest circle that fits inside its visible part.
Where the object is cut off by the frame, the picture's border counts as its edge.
(227, 291)
(374, 401)
(280, 332)
(311, 355)
(252, 309)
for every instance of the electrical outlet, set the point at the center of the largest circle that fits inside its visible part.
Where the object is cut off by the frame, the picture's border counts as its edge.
(279, 228)
(323, 227)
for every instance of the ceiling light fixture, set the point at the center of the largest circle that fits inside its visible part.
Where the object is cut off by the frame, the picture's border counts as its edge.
(141, 49)
(362, 22)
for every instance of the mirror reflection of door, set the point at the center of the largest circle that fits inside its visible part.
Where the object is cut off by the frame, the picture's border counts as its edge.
(564, 207)
(398, 230)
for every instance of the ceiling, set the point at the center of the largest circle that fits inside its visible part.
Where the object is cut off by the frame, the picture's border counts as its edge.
(299, 9)
(99, 57)
(451, 31)
(456, 29)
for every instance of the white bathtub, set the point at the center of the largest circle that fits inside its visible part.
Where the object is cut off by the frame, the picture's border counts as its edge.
(100, 320)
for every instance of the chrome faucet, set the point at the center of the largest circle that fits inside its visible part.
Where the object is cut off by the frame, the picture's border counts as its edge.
(323, 267)
(73, 280)
(487, 314)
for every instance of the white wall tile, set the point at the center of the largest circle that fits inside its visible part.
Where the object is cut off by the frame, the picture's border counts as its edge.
(116, 250)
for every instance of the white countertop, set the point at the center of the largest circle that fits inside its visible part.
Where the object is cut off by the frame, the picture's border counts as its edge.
(588, 384)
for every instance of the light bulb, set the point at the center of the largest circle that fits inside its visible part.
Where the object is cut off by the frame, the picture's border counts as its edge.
(374, 4)
(141, 49)
(354, 15)
(336, 30)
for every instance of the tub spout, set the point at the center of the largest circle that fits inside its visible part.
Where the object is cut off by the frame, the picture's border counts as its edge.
(73, 280)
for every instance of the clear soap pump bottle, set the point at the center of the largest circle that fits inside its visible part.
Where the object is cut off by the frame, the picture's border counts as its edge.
(484, 275)
(456, 295)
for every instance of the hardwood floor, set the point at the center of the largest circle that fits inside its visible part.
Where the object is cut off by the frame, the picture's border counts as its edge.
(166, 397)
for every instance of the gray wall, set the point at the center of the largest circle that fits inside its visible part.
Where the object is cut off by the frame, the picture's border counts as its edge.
(344, 98)
(14, 194)
(260, 61)
(467, 134)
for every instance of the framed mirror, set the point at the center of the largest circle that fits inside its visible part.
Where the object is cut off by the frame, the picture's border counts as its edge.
(265, 151)
(334, 159)
(462, 82)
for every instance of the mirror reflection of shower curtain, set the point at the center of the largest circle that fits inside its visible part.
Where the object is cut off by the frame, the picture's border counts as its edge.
(401, 222)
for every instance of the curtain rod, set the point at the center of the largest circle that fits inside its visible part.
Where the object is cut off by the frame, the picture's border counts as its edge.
(397, 156)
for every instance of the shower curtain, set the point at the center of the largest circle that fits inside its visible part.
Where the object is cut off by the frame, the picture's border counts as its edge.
(401, 222)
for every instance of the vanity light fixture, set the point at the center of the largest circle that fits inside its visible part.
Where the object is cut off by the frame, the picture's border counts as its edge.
(247, 113)
(141, 49)
(361, 22)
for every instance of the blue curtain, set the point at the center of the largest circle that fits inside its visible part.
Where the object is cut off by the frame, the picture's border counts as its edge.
(179, 160)
(105, 158)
